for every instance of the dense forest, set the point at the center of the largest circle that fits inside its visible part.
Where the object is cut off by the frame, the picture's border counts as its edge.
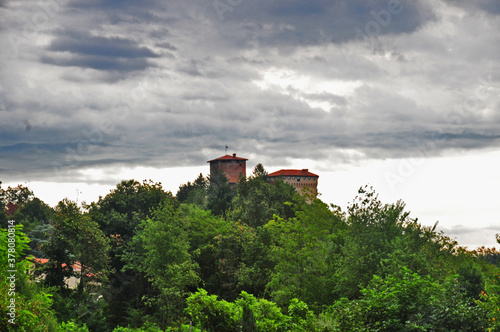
(253, 257)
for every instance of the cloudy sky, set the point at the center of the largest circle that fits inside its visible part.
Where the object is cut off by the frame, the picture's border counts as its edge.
(402, 95)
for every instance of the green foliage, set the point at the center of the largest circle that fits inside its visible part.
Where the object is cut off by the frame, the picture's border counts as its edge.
(148, 327)
(257, 200)
(20, 204)
(269, 259)
(266, 314)
(220, 194)
(75, 238)
(32, 303)
(490, 298)
(301, 318)
(194, 193)
(228, 253)
(303, 251)
(214, 315)
(248, 314)
(471, 279)
(71, 326)
(407, 301)
(202, 226)
(118, 215)
(381, 238)
(207, 234)
(3, 213)
(248, 323)
(39, 236)
(33, 213)
(121, 211)
(18, 195)
(160, 249)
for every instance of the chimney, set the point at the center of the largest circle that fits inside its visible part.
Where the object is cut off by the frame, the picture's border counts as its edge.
(305, 170)
(234, 155)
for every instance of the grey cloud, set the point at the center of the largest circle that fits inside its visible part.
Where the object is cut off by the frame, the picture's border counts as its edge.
(108, 54)
(471, 235)
(489, 6)
(85, 44)
(98, 63)
(316, 22)
(167, 45)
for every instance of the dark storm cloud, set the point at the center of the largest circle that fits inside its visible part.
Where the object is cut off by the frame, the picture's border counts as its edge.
(108, 54)
(118, 11)
(85, 44)
(98, 63)
(296, 22)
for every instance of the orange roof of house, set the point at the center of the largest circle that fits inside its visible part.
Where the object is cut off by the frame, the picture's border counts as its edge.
(41, 260)
(228, 157)
(293, 172)
(76, 266)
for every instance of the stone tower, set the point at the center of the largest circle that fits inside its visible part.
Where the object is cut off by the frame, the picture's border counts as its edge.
(232, 166)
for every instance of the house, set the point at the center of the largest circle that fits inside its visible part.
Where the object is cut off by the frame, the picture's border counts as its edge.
(73, 281)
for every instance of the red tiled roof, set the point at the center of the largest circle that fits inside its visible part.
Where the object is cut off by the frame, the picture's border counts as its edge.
(292, 172)
(41, 260)
(76, 266)
(228, 157)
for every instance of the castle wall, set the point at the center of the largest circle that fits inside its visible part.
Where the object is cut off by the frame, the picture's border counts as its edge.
(233, 169)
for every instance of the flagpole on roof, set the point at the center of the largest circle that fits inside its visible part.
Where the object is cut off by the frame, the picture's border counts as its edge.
(227, 147)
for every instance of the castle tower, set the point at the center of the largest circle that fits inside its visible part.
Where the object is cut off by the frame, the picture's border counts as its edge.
(232, 166)
(299, 179)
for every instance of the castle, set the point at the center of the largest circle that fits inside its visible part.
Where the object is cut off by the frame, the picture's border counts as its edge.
(234, 167)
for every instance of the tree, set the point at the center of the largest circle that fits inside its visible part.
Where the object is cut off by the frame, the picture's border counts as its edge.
(373, 228)
(248, 313)
(194, 193)
(118, 215)
(160, 250)
(257, 200)
(490, 297)
(220, 193)
(406, 301)
(122, 210)
(11, 199)
(202, 227)
(76, 239)
(213, 315)
(3, 213)
(33, 310)
(18, 195)
(33, 212)
(381, 238)
(303, 254)
(36, 217)
(228, 257)
(260, 172)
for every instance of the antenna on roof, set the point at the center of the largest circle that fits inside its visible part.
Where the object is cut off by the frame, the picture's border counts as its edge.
(227, 147)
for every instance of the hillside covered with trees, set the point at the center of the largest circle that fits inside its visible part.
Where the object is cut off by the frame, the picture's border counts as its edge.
(256, 257)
